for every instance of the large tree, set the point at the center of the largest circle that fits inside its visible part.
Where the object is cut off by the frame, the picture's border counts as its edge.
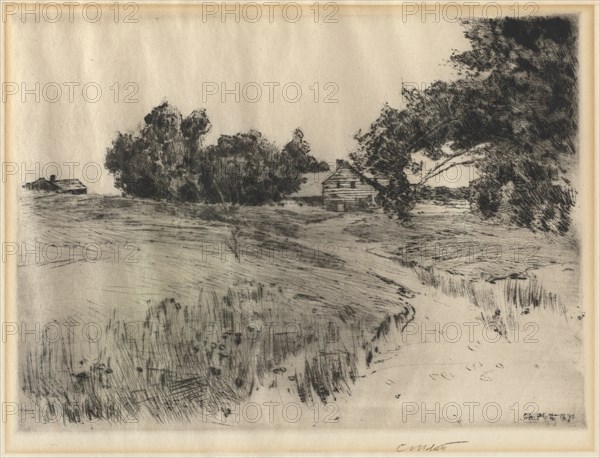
(512, 114)
(155, 162)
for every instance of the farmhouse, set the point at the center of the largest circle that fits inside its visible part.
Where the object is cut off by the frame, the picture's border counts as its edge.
(72, 186)
(347, 189)
(344, 189)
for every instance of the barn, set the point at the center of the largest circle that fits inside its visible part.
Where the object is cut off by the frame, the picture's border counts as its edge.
(347, 189)
(311, 190)
(71, 186)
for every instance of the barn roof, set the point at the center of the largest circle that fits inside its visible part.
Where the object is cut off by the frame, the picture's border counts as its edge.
(60, 185)
(311, 185)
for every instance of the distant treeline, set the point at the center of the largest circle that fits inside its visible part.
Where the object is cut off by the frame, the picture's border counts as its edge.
(442, 193)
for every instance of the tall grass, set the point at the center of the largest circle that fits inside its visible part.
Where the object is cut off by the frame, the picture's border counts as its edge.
(500, 300)
(183, 360)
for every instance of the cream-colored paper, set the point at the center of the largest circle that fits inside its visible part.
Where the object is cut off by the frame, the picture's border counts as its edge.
(311, 323)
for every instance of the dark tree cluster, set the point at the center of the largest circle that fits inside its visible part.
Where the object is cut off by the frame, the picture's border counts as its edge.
(166, 159)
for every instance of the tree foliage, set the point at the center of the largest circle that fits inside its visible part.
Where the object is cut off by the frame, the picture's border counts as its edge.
(245, 168)
(154, 161)
(297, 155)
(512, 114)
(166, 159)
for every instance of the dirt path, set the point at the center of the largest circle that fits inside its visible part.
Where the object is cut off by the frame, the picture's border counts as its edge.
(448, 368)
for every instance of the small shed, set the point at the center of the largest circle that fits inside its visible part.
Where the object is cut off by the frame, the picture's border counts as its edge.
(70, 186)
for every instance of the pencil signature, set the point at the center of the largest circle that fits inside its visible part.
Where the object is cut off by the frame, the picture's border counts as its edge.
(427, 447)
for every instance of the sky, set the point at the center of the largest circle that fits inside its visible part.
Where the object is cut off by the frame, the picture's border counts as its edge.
(197, 61)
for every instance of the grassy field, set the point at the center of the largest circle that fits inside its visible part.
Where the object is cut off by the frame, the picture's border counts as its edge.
(202, 307)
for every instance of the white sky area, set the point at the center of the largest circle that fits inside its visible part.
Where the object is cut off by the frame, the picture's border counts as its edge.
(172, 55)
